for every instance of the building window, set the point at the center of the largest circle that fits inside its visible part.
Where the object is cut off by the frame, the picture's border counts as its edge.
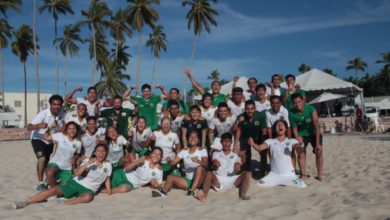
(18, 103)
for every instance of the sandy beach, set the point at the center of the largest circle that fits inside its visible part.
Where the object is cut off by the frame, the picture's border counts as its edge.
(356, 186)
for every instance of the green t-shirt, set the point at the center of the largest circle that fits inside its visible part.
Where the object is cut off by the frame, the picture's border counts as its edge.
(148, 109)
(183, 107)
(303, 121)
(253, 127)
(289, 104)
(122, 121)
(218, 99)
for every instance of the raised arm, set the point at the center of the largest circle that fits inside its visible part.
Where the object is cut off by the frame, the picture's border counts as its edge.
(126, 94)
(133, 165)
(196, 85)
(69, 97)
(164, 93)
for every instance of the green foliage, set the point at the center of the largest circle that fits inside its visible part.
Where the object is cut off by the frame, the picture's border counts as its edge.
(23, 44)
(303, 68)
(5, 32)
(356, 64)
(201, 15)
(141, 12)
(157, 41)
(67, 43)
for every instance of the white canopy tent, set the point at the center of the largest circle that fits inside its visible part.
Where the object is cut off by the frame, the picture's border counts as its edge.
(227, 88)
(325, 97)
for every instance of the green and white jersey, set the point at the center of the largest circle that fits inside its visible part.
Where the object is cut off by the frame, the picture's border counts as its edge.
(221, 127)
(144, 174)
(46, 117)
(289, 104)
(281, 155)
(116, 149)
(89, 141)
(65, 152)
(168, 143)
(175, 123)
(122, 119)
(139, 139)
(303, 121)
(208, 114)
(91, 107)
(95, 176)
(218, 99)
(148, 109)
(252, 127)
(227, 163)
(189, 165)
(272, 116)
(262, 106)
(72, 116)
(236, 109)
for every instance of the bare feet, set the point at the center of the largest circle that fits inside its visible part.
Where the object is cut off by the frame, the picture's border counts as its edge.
(319, 178)
(304, 177)
(245, 198)
(201, 196)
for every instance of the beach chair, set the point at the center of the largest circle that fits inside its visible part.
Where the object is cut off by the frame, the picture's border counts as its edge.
(378, 125)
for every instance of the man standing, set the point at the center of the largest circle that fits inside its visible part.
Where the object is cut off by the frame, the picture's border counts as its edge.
(274, 86)
(174, 95)
(250, 94)
(118, 116)
(51, 119)
(291, 89)
(306, 129)
(276, 112)
(236, 104)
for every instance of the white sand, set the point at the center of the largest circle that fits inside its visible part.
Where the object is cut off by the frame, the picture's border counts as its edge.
(356, 186)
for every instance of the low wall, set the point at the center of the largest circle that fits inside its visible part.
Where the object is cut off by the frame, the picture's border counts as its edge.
(14, 134)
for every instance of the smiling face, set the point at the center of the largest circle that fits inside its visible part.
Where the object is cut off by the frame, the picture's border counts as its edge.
(275, 105)
(195, 114)
(298, 103)
(223, 113)
(55, 107)
(207, 101)
(146, 93)
(226, 144)
(290, 81)
(112, 133)
(215, 87)
(71, 130)
(237, 97)
(81, 110)
(91, 126)
(250, 110)
(156, 155)
(141, 124)
(117, 104)
(280, 128)
(174, 110)
(166, 125)
(261, 93)
(276, 81)
(193, 140)
(252, 84)
(91, 96)
(173, 95)
(100, 153)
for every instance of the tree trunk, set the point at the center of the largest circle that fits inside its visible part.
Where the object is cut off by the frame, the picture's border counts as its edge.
(25, 94)
(36, 58)
(66, 75)
(94, 56)
(356, 74)
(154, 70)
(139, 57)
(2, 79)
(56, 47)
(116, 52)
(190, 65)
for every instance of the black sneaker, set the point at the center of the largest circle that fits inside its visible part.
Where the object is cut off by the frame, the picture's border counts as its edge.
(159, 193)
(190, 192)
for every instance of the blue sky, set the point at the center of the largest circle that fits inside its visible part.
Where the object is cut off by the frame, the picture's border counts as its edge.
(253, 38)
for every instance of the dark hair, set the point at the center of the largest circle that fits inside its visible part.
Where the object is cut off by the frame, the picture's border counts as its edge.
(261, 86)
(81, 104)
(172, 102)
(118, 97)
(100, 145)
(140, 117)
(289, 76)
(249, 102)
(92, 88)
(207, 95)
(226, 135)
(89, 118)
(237, 89)
(174, 89)
(146, 86)
(157, 148)
(274, 126)
(275, 97)
(194, 132)
(296, 95)
(195, 107)
(56, 97)
(71, 123)
(252, 78)
(108, 139)
(275, 75)
(215, 81)
(223, 104)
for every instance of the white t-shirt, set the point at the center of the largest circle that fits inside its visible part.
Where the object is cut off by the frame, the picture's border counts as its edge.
(262, 106)
(272, 116)
(139, 139)
(89, 141)
(72, 116)
(209, 114)
(189, 165)
(247, 95)
(46, 117)
(227, 163)
(144, 174)
(95, 177)
(65, 151)
(281, 156)
(236, 109)
(222, 126)
(175, 123)
(278, 91)
(90, 106)
(167, 143)
(116, 149)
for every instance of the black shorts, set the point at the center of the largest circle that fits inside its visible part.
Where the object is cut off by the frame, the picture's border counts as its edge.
(312, 140)
(41, 149)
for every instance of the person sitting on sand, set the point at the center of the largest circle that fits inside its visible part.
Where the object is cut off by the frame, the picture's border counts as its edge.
(194, 122)
(306, 129)
(117, 145)
(139, 137)
(82, 188)
(143, 171)
(66, 150)
(227, 166)
(195, 163)
(282, 172)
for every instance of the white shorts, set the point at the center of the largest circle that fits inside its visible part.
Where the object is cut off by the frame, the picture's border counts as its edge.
(226, 182)
(217, 145)
(274, 179)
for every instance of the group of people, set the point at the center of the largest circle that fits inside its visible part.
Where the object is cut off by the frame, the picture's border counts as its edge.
(193, 148)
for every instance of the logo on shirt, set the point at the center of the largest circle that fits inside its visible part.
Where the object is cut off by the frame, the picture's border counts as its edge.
(231, 157)
(198, 126)
(153, 173)
(151, 105)
(105, 170)
(74, 145)
(308, 120)
(257, 123)
(169, 139)
(123, 114)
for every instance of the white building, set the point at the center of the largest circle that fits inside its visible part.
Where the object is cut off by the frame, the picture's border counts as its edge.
(14, 102)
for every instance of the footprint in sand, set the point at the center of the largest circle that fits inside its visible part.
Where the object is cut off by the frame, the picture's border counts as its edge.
(280, 211)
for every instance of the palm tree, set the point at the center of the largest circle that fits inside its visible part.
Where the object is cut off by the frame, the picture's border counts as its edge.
(68, 44)
(112, 79)
(100, 49)
(214, 75)
(96, 21)
(140, 13)
(22, 47)
(5, 35)
(121, 55)
(6, 4)
(201, 15)
(385, 60)
(36, 63)
(303, 68)
(157, 41)
(120, 28)
(56, 7)
(356, 64)
(329, 71)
